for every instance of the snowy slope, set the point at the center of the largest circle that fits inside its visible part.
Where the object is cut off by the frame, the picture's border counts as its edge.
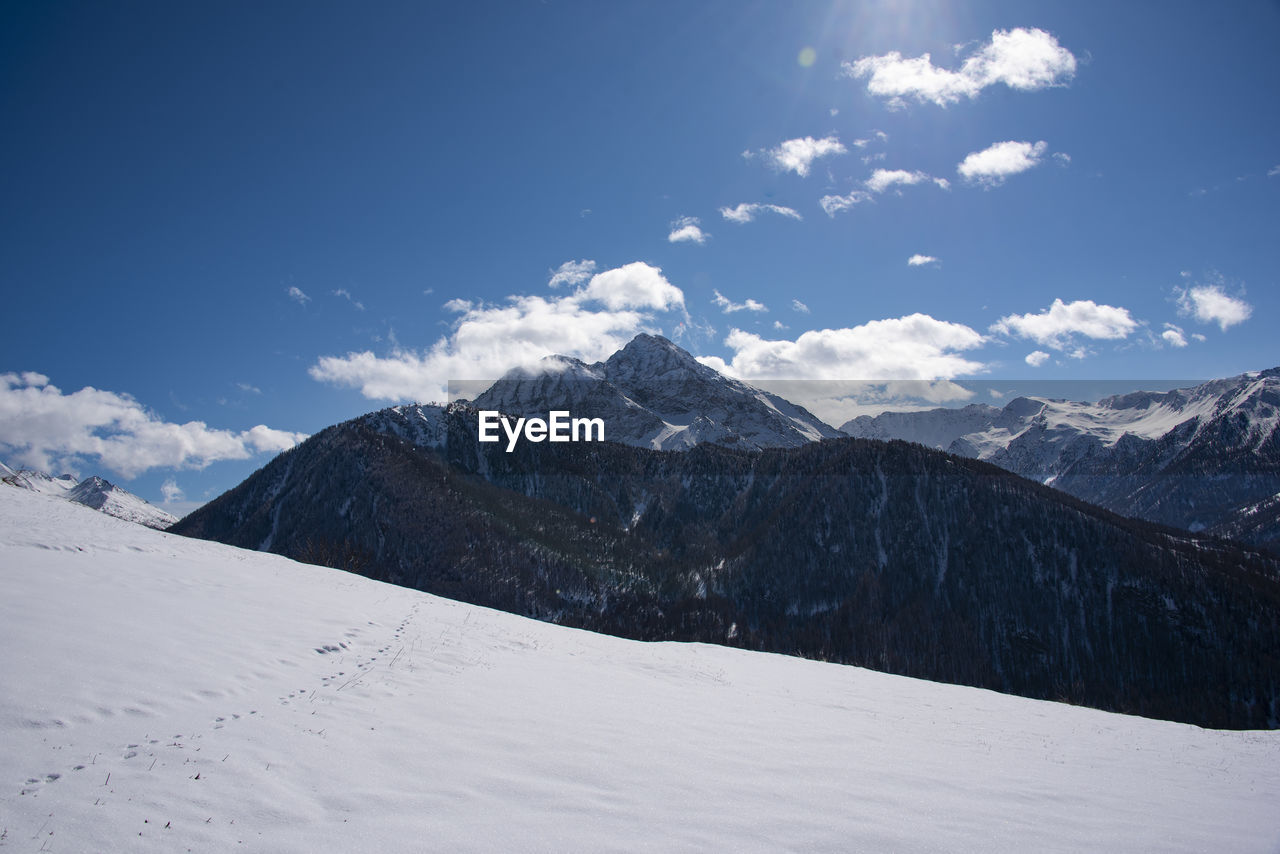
(110, 499)
(653, 394)
(166, 694)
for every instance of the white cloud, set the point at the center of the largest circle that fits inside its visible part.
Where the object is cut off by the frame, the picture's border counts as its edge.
(1036, 358)
(1062, 157)
(884, 179)
(834, 204)
(916, 347)
(633, 286)
(1210, 304)
(1173, 336)
(44, 428)
(729, 307)
(992, 165)
(840, 373)
(1199, 337)
(343, 292)
(778, 324)
(487, 340)
(1023, 59)
(295, 293)
(171, 491)
(457, 305)
(745, 212)
(251, 389)
(686, 230)
(796, 305)
(572, 273)
(1273, 171)
(921, 260)
(797, 155)
(1056, 326)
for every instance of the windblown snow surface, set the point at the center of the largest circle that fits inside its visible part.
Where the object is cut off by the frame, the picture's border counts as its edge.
(165, 694)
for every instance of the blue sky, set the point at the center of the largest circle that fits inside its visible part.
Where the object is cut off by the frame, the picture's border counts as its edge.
(238, 223)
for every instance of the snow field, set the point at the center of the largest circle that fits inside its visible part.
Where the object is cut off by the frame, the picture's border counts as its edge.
(165, 694)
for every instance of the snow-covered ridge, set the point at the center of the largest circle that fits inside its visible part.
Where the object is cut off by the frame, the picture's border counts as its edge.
(1195, 457)
(982, 431)
(166, 694)
(92, 492)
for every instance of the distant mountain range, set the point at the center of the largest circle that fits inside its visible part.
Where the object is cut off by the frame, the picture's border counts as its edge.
(91, 492)
(883, 554)
(1205, 458)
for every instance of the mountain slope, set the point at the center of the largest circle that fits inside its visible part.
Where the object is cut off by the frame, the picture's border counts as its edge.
(1200, 458)
(653, 394)
(885, 555)
(191, 696)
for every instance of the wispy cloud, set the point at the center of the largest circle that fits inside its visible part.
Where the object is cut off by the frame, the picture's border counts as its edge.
(797, 155)
(171, 491)
(994, 164)
(921, 260)
(796, 305)
(572, 273)
(600, 316)
(885, 179)
(42, 427)
(1273, 171)
(1211, 304)
(295, 293)
(881, 181)
(687, 229)
(1023, 59)
(833, 204)
(346, 294)
(1057, 326)
(746, 212)
(728, 306)
(251, 389)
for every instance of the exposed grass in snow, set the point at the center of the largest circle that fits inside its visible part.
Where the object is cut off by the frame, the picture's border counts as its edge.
(164, 694)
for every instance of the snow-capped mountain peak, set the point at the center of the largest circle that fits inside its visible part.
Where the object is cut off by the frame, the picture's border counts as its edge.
(654, 394)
